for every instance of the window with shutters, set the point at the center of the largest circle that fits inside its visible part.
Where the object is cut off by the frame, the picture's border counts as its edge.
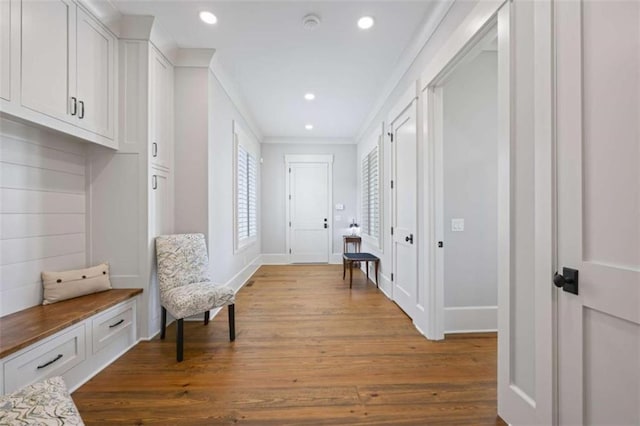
(246, 196)
(370, 221)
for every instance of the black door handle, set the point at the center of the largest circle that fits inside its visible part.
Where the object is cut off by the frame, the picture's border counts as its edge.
(409, 239)
(81, 115)
(74, 105)
(568, 281)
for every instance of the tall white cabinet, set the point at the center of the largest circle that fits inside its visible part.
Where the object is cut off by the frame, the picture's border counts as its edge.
(59, 68)
(132, 189)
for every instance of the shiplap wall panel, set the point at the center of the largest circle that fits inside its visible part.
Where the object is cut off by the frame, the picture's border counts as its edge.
(39, 225)
(42, 210)
(15, 275)
(23, 202)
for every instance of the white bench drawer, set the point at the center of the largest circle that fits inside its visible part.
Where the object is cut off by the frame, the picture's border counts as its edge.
(112, 325)
(52, 357)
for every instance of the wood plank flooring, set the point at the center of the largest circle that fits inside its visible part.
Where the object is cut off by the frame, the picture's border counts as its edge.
(308, 351)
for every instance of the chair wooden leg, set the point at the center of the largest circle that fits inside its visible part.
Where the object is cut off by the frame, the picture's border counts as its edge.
(344, 268)
(350, 274)
(232, 322)
(206, 317)
(180, 340)
(163, 326)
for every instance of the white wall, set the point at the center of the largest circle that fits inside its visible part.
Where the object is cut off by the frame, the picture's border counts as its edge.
(273, 191)
(224, 262)
(42, 210)
(470, 108)
(453, 18)
(204, 167)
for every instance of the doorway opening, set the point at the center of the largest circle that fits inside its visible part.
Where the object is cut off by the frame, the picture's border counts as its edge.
(466, 175)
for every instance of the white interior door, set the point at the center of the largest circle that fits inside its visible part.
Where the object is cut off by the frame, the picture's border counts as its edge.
(308, 195)
(405, 266)
(598, 171)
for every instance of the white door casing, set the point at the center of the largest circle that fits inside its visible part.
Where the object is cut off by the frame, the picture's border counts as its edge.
(404, 132)
(308, 200)
(598, 199)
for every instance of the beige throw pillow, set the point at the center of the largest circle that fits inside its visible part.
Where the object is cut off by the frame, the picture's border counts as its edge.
(65, 285)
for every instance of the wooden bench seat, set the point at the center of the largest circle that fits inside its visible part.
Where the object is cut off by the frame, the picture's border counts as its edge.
(23, 328)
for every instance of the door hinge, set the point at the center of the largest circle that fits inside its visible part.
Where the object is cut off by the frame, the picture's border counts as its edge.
(289, 224)
(392, 230)
(391, 184)
(289, 196)
(289, 169)
(392, 276)
(391, 136)
(289, 251)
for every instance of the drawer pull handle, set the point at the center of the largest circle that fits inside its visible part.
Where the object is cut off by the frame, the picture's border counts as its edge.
(117, 324)
(46, 364)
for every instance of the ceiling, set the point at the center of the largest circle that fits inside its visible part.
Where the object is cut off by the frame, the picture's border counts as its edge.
(273, 60)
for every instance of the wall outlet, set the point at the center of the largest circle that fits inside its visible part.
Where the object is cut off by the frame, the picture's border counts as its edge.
(340, 206)
(457, 225)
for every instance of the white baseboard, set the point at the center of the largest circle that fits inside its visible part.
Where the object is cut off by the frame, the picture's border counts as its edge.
(274, 259)
(470, 319)
(283, 259)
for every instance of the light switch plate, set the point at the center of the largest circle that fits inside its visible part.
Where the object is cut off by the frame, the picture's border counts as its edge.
(339, 206)
(457, 225)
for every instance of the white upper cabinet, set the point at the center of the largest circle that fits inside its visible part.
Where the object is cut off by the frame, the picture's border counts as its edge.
(47, 74)
(161, 109)
(95, 75)
(58, 68)
(5, 50)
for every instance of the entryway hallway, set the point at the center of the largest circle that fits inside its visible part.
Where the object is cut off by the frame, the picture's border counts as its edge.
(308, 351)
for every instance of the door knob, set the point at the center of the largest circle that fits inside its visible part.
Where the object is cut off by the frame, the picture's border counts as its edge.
(568, 281)
(409, 239)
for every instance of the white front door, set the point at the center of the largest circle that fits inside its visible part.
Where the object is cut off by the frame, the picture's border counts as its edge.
(598, 172)
(308, 200)
(405, 266)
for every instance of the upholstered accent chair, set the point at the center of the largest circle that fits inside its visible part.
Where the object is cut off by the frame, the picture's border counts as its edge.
(185, 286)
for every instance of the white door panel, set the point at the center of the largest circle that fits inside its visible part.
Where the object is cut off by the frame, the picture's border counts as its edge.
(405, 266)
(309, 212)
(598, 142)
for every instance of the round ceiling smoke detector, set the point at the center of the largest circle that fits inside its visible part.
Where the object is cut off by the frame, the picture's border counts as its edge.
(311, 22)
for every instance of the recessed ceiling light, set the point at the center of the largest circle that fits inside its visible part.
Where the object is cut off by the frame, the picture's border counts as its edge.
(309, 96)
(308, 126)
(208, 17)
(366, 22)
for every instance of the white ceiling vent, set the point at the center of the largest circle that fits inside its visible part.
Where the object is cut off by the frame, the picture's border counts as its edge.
(311, 22)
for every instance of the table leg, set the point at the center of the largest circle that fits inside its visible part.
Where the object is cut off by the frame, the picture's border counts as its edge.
(376, 262)
(344, 267)
(350, 274)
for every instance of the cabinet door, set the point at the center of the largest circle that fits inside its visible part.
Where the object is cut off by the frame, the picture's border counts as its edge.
(95, 75)
(5, 49)
(161, 104)
(48, 74)
(161, 214)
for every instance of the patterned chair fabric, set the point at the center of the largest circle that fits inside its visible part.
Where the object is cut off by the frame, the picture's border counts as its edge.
(185, 286)
(43, 403)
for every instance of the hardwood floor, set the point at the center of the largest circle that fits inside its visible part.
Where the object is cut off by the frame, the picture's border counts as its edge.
(308, 351)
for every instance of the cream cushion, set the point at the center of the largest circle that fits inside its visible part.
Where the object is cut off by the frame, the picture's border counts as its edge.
(65, 285)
